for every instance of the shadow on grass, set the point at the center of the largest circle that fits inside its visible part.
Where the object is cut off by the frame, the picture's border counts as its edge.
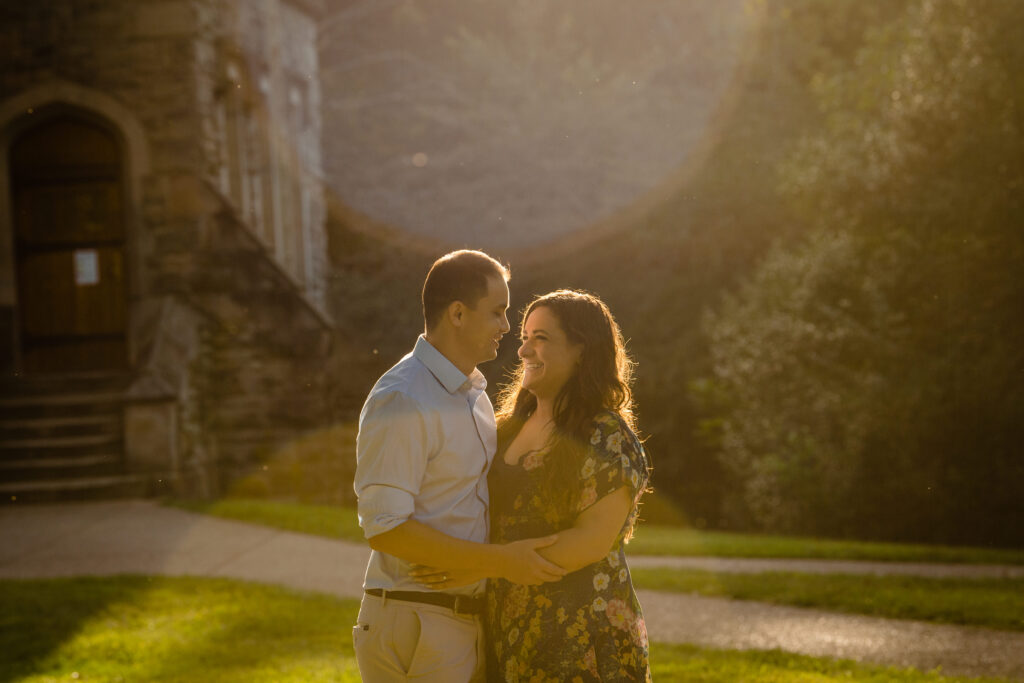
(172, 629)
(38, 616)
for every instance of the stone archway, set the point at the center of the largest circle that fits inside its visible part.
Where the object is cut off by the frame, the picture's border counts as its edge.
(68, 215)
(101, 129)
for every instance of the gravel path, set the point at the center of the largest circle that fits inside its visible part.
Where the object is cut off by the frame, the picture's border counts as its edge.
(736, 624)
(725, 565)
(144, 538)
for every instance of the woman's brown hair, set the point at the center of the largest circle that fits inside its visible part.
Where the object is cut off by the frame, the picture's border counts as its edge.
(601, 383)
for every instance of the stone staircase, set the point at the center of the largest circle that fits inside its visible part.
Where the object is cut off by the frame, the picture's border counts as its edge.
(61, 438)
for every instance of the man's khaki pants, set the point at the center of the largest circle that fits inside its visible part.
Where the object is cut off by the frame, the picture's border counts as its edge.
(396, 640)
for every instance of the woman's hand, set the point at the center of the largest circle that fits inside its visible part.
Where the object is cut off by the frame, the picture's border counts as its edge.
(442, 579)
(516, 562)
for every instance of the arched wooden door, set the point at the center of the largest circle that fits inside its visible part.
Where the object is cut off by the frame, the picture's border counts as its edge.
(69, 225)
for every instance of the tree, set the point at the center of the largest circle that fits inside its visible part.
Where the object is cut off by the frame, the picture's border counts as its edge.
(868, 378)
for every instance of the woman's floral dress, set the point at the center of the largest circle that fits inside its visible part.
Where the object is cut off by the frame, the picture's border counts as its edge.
(588, 626)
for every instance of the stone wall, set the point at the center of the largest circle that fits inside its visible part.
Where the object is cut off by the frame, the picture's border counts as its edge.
(227, 246)
(260, 377)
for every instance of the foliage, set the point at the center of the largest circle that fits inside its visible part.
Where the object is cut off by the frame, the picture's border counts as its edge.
(866, 379)
(317, 467)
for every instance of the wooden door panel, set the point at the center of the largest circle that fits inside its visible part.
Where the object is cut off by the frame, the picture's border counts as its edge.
(60, 306)
(46, 292)
(69, 213)
(69, 143)
(101, 308)
(69, 237)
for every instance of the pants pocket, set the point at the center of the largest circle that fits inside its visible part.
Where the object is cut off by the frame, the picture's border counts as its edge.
(361, 636)
(447, 644)
(364, 633)
(406, 634)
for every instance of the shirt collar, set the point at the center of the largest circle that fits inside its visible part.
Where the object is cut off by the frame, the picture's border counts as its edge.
(450, 377)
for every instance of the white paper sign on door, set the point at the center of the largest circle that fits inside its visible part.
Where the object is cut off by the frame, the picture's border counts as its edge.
(87, 267)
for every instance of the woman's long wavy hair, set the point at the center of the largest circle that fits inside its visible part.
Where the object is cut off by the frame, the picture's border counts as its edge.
(602, 382)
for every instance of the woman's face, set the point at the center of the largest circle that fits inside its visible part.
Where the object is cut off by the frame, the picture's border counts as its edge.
(549, 358)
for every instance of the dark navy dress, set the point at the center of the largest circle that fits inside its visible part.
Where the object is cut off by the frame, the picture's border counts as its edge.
(588, 626)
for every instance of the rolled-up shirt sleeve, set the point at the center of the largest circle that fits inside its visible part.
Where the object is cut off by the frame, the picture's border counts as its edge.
(391, 456)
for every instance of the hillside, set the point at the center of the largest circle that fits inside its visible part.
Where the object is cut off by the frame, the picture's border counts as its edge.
(497, 124)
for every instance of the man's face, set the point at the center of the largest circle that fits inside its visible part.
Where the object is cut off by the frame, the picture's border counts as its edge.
(485, 324)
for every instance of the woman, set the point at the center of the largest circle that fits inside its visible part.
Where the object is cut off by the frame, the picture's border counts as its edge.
(568, 462)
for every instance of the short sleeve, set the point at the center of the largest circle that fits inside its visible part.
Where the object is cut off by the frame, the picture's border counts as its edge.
(615, 458)
(391, 458)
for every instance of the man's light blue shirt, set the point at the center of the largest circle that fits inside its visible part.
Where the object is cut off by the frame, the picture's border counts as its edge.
(426, 440)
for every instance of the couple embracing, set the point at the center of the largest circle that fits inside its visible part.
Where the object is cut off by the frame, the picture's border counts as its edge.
(497, 542)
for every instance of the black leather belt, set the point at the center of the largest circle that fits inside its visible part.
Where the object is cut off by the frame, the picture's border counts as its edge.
(460, 604)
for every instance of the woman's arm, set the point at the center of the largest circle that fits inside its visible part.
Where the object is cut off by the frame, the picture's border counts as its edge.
(519, 562)
(588, 540)
(593, 534)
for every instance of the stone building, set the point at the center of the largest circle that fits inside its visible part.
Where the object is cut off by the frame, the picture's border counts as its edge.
(162, 241)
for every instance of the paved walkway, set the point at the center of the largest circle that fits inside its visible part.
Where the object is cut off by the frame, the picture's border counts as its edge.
(144, 538)
(729, 565)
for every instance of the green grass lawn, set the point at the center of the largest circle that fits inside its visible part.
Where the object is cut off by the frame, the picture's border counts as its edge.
(164, 630)
(997, 603)
(332, 521)
(340, 522)
(161, 629)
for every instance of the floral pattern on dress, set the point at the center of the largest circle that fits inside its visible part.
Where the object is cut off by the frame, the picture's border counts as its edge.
(588, 626)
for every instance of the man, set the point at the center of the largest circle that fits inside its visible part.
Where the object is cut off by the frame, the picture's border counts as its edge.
(425, 444)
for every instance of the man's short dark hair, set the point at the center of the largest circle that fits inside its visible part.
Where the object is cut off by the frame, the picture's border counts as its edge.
(459, 276)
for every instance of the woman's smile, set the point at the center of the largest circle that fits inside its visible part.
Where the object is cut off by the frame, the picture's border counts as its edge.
(548, 357)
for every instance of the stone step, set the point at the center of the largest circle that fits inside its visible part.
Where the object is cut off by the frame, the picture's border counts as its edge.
(77, 406)
(8, 454)
(80, 399)
(58, 462)
(59, 442)
(77, 488)
(51, 467)
(61, 438)
(102, 421)
(63, 383)
(64, 426)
